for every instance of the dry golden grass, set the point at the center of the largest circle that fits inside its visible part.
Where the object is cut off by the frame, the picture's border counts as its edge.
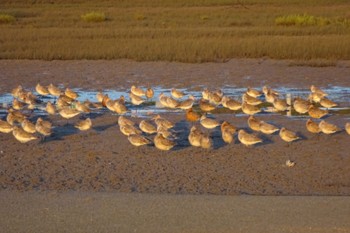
(188, 31)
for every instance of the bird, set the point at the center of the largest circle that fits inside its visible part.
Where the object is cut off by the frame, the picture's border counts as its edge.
(270, 96)
(187, 104)
(120, 108)
(250, 100)
(192, 116)
(176, 93)
(227, 136)
(195, 136)
(149, 93)
(206, 142)
(301, 106)
(122, 120)
(280, 105)
(248, 139)
(205, 106)
(68, 113)
(50, 108)
(41, 90)
(162, 122)
(82, 107)
(163, 99)
(166, 132)
(215, 98)
(17, 105)
(147, 127)
(315, 89)
(22, 136)
(129, 129)
(205, 94)
(17, 91)
(163, 143)
(99, 97)
(172, 103)
(135, 99)
(28, 126)
(254, 123)
(267, 128)
(70, 93)
(250, 109)
(328, 128)
(208, 122)
(312, 126)
(137, 91)
(231, 104)
(267, 89)
(253, 93)
(84, 124)
(327, 103)
(316, 112)
(227, 131)
(5, 127)
(315, 97)
(347, 127)
(66, 99)
(43, 127)
(138, 140)
(53, 90)
(288, 135)
(225, 126)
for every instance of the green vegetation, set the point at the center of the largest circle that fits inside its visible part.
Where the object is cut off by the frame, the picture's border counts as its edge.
(184, 30)
(6, 18)
(93, 17)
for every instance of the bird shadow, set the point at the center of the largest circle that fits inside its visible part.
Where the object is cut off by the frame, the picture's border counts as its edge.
(182, 131)
(101, 128)
(60, 132)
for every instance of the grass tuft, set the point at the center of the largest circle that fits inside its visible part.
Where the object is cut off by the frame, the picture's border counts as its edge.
(6, 18)
(302, 20)
(94, 17)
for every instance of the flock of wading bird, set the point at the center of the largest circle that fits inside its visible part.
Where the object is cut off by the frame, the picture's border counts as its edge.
(67, 106)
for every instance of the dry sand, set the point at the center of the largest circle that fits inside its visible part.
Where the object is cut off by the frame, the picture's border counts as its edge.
(103, 160)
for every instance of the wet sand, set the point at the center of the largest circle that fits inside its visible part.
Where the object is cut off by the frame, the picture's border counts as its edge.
(122, 212)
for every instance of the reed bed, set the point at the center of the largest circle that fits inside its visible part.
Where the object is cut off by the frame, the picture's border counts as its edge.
(186, 31)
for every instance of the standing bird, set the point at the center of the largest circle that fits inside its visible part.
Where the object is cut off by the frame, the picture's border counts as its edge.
(28, 126)
(5, 127)
(147, 127)
(41, 90)
(163, 143)
(328, 128)
(253, 93)
(208, 123)
(288, 135)
(315, 89)
(71, 94)
(84, 124)
(205, 106)
(250, 109)
(227, 131)
(327, 103)
(187, 104)
(316, 112)
(50, 108)
(267, 128)
(312, 126)
(176, 93)
(43, 127)
(347, 127)
(137, 91)
(195, 136)
(53, 90)
(138, 140)
(254, 123)
(301, 106)
(22, 136)
(149, 93)
(230, 103)
(192, 116)
(248, 139)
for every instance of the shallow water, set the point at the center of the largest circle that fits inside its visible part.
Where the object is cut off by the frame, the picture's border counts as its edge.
(341, 95)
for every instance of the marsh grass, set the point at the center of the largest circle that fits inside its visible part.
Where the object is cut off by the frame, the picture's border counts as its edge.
(6, 18)
(186, 31)
(94, 17)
